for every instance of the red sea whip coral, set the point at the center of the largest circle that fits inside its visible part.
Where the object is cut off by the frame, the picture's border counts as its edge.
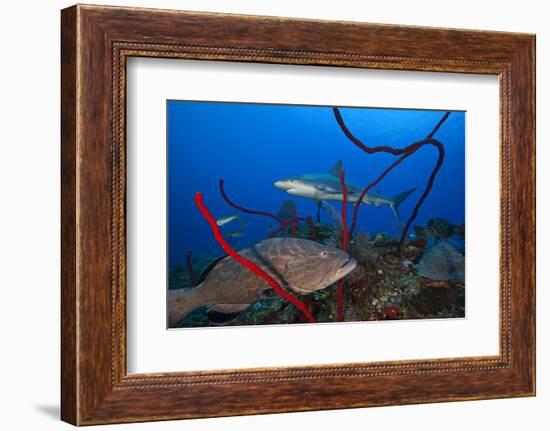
(340, 290)
(404, 153)
(248, 264)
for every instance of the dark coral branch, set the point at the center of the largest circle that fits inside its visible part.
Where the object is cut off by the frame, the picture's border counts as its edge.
(283, 223)
(340, 290)
(438, 125)
(405, 153)
(369, 150)
(190, 272)
(370, 186)
(281, 228)
(245, 210)
(248, 264)
(428, 188)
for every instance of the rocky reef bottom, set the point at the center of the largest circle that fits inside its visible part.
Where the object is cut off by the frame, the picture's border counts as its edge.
(425, 280)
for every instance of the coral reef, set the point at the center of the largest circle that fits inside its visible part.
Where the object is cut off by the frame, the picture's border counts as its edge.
(385, 286)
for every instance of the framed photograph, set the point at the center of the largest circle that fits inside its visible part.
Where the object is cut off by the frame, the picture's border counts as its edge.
(286, 207)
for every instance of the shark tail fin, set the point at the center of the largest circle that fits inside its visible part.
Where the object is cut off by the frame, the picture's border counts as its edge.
(397, 200)
(337, 168)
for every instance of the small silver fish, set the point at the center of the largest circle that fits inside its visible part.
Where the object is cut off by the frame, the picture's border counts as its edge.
(300, 266)
(227, 219)
(236, 234)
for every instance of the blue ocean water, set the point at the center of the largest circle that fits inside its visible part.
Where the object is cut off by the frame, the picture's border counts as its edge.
(252, 145)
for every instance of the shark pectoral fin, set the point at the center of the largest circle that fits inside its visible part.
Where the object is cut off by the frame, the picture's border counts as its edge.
(337, 168)
(318, 203)
(294, 192)
(221, 314)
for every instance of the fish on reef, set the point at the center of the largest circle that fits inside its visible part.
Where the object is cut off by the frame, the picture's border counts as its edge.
(227, 219)
(441, 229)
(287, 210)
(326, 187)
(300, 266)
(236, 234)
(443, 262)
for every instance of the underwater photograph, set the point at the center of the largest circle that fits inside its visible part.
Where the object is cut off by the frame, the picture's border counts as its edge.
(290, 214)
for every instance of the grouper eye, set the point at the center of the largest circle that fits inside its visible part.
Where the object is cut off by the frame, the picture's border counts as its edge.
(324, 254)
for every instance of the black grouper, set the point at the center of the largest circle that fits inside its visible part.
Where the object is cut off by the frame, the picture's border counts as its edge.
(300, 266)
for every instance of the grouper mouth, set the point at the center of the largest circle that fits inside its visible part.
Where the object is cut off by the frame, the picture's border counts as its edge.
(346, 262)
(348, 266)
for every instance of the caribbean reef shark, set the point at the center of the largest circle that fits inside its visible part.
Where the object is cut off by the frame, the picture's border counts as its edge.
(326, 187)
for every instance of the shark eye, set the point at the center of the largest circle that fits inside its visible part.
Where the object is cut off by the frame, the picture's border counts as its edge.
(324, 254)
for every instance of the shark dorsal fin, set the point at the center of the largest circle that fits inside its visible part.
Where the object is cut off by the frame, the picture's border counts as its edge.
(337, 169)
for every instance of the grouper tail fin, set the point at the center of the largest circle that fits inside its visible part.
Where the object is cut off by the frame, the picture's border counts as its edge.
(181, 302)
(397, 200)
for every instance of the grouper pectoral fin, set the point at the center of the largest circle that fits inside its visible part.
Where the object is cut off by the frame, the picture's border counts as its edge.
(220, 314)
(337, 168)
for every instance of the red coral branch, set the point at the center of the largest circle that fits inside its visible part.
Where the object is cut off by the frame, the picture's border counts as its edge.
(281, 228)
(344, 211)
(294, 224)
(190, 271)
(248, 264)
(369, 187)
(312, 229)
(405, 153)
(340, 290)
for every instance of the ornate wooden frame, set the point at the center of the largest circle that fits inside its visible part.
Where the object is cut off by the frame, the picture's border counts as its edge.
(96, 41)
